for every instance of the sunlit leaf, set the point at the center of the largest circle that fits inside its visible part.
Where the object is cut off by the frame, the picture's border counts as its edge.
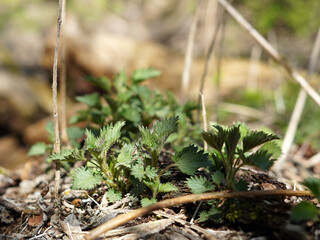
(147, 202)
(261, 159)
(92, 100)
(190, 159)
(143, 74)
(256, 138)
(313, 184)
(37, 149)
(167, 187)
(215, 138)
(113, 195)
(84, 178)
(199, 184)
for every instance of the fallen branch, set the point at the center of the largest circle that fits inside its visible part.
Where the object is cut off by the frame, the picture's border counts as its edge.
(271, 50)
(124, 218)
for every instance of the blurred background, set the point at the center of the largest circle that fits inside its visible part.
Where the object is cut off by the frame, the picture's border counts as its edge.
(105, 36)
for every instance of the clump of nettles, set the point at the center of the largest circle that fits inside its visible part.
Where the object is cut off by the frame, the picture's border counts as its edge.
(130, 167)
(231, 148)
(126, 99)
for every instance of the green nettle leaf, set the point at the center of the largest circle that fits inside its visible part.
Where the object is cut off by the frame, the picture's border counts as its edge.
(241, 185)
(62, 156)
(75, 133)
(137, 171)
(167, 187)
(109, 135)
(101, 82)
(153, 185)
(273, 148)
(260, 159)
(214, 213)
(113, 104)
(90, 141)
(165, 127)
(131, 114)
(147, 138)
(37, 149)
(120, 81)
(199, 184)
(204, 216)
(303, 212)
(313, 184)
(215, 138)
(256, 138)
(145, 202)
(190, 159)
(217, 177)
(114, 196)
(92, 100)
(143, 74)
(150, 172)
(85, 179)
(232, 140)
(125, 155)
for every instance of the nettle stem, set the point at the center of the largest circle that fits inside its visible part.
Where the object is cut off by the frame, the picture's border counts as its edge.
(165, 169)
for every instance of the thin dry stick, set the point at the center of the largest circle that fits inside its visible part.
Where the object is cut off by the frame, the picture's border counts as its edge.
(298, 109)
(124, 218)
(218, 22)
(211, 47)
(271, 51)
(56, 148)
(204, 118)
(63, 83)
(188, 58)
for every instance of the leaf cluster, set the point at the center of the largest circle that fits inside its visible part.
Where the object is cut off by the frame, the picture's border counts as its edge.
(236, 146)
(130, 167)
(134, 103)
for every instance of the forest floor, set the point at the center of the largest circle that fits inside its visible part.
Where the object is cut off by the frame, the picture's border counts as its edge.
(27, 213)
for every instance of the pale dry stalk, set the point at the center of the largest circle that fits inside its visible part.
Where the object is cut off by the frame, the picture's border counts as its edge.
(298, 108)
(271, 51)
(56, 148)
(185, 82)
(63, 82)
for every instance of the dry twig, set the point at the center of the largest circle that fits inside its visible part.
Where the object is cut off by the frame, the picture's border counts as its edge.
(124, 218)
(298, 108)
(271, 51)
(63, 82)
(188, 58)
(56, 148)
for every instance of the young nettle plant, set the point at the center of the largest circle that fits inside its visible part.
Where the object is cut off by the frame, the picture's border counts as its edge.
(102, 163)
(125, 99)
(128, 166)
(235, 147)
(188, 160)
